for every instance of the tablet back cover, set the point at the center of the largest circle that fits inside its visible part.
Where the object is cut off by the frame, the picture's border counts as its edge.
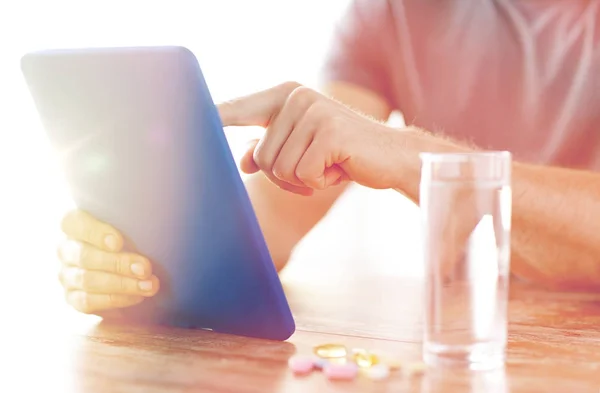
(143, 149)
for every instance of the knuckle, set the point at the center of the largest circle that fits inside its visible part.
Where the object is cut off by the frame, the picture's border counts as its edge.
(303, 177)
(315, 110)
(85, 279)
(314, 114)
(261, 159)
(317, 115)
(86, 228)
(123, 285)
(120, 263)
(289, 86)
(301, 96)
(279, 171)
(87, 233)
(82, 255)
(115, 300)
(284, 172)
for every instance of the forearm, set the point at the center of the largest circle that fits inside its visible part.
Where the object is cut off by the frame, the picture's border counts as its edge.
(556, 232)
(555, 228)
(285, 218)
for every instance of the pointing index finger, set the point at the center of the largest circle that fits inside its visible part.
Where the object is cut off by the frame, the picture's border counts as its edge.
(256, 109)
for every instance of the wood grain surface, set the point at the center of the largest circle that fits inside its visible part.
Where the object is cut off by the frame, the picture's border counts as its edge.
(554, 346)
(353, 296)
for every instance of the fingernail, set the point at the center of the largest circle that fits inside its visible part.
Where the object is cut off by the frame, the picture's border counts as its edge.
(145, 285)
(138, 269)
(110, 241)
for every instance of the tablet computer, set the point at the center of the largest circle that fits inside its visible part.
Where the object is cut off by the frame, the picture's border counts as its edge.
(142, 147)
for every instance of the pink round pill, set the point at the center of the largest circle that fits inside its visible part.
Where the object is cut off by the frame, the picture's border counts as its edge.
(300, 364)
(341, 371)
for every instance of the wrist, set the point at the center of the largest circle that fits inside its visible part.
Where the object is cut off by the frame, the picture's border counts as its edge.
(412, 142)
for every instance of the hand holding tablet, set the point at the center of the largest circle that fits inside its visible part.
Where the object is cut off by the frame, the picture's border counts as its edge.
(143, 152)
(96, 273)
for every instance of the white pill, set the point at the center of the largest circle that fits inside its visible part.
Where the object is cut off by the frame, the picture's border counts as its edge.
(378, 372)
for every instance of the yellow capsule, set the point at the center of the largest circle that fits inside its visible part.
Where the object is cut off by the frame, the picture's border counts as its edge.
(363, 358)
(328, 351)
(338, 361)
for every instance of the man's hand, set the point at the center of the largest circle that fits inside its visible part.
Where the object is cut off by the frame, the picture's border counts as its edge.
(96, 274)
(312, 142)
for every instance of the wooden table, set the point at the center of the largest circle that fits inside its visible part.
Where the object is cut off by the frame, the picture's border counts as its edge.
(554, 341)
(554, 347)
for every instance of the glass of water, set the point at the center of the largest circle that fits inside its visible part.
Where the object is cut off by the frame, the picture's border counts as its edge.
(465, 201)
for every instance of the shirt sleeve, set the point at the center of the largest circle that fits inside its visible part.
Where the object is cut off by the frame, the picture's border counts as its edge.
(357, 52)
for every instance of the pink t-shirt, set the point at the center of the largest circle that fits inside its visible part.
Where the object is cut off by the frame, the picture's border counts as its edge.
(518, 75)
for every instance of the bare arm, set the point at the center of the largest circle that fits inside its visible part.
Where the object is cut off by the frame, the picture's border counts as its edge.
(556, 217)
(556, 228)
(556, 234)
(285, 218)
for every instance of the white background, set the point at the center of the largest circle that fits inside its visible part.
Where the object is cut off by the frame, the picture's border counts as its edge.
(242, 46)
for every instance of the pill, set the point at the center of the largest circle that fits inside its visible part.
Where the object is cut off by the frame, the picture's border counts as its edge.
(337, 360)
(341, 371)
(363, 358)
(331, 351)
(378, 372)
(301, 364)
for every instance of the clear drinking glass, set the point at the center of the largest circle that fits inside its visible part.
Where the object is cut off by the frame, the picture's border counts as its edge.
(465, 202)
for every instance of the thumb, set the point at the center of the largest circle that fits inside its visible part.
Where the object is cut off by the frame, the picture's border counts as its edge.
(334, 176)
(256, 109)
